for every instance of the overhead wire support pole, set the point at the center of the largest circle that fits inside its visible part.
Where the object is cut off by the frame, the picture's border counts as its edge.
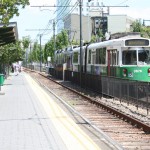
(81, 40)
(40, 53)
(144, 21)
(54, 35)
(40, 44)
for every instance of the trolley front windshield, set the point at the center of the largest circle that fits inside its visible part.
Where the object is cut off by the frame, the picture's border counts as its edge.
(137, 56)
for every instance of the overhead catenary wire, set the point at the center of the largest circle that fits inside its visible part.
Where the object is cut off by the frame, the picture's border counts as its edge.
(71, 10)
(60, 16)
(63, 9)
(49, 23)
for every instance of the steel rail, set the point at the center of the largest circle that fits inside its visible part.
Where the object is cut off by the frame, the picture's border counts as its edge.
(133, 121)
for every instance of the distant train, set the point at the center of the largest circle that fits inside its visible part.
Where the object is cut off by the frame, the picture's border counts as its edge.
(123, 58)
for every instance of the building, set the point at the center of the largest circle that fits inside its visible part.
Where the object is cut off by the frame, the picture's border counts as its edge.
(119, 23)
(72, 7)
(96, 19)
(72, 25)
(92, 25)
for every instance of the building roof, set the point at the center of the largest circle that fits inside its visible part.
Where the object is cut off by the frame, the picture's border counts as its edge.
(8, 34)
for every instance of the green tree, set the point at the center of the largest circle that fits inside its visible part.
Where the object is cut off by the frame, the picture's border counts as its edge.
(75, 43)
(9, 8)
(137, 26)
(61, 42)
(49, 50)
(25, 43)
(35, 54)
(146, 32)
(11, 53)
(93, 39)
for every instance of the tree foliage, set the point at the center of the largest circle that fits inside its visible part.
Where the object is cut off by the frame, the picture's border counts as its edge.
(145, 32)
(33, 55)
(93, 39)
(26, 42)
(11, 53)
(61, 42)
(48, 51)
(138, 27)
(9, 8)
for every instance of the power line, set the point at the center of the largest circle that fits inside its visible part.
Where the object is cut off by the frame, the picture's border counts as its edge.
(53, 6)
(60, 11)
(70, 11)
(73, 6)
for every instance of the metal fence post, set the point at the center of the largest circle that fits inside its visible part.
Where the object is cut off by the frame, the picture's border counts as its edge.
(147, 95)
(137, 95)
(128, 93)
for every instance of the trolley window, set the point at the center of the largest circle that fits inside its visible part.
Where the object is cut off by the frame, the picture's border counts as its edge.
(117, 57)
(113, 56)
(101, 56)
(58, 58)
(89, 57)
(129, 57)
(61, 58)
(93, 58)
(65, 58)
(143, 57)
(75, 57)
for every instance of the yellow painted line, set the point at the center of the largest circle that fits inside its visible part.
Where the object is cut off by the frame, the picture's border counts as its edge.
(69, 131)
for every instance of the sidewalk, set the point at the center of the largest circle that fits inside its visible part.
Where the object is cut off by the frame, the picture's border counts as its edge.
(23, 122)
(30, 119)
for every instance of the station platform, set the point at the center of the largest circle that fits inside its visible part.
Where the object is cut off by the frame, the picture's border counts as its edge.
(31, 120)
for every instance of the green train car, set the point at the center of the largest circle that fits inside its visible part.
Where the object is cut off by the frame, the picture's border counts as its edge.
(127, 58)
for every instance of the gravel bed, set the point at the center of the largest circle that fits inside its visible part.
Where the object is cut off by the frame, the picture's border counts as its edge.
(130, 109)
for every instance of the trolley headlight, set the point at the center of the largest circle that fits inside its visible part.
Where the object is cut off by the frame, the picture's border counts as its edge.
(148, 72)
(125, 72)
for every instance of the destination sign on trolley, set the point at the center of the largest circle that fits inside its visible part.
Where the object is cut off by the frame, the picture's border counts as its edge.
(137, 42)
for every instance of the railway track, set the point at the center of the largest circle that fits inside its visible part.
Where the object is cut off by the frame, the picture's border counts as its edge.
(125, 129)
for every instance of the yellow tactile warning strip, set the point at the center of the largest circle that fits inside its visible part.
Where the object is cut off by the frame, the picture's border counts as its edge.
(69, 131)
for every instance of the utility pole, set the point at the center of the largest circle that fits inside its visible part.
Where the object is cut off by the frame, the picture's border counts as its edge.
(144, 22)
(40, 44)
(40, 53)
(54, 34)
(81, 41)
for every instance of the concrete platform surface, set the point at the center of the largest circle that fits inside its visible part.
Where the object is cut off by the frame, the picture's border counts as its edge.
(31, 120)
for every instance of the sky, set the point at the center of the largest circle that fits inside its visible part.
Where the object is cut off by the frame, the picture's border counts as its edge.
(33, 21)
